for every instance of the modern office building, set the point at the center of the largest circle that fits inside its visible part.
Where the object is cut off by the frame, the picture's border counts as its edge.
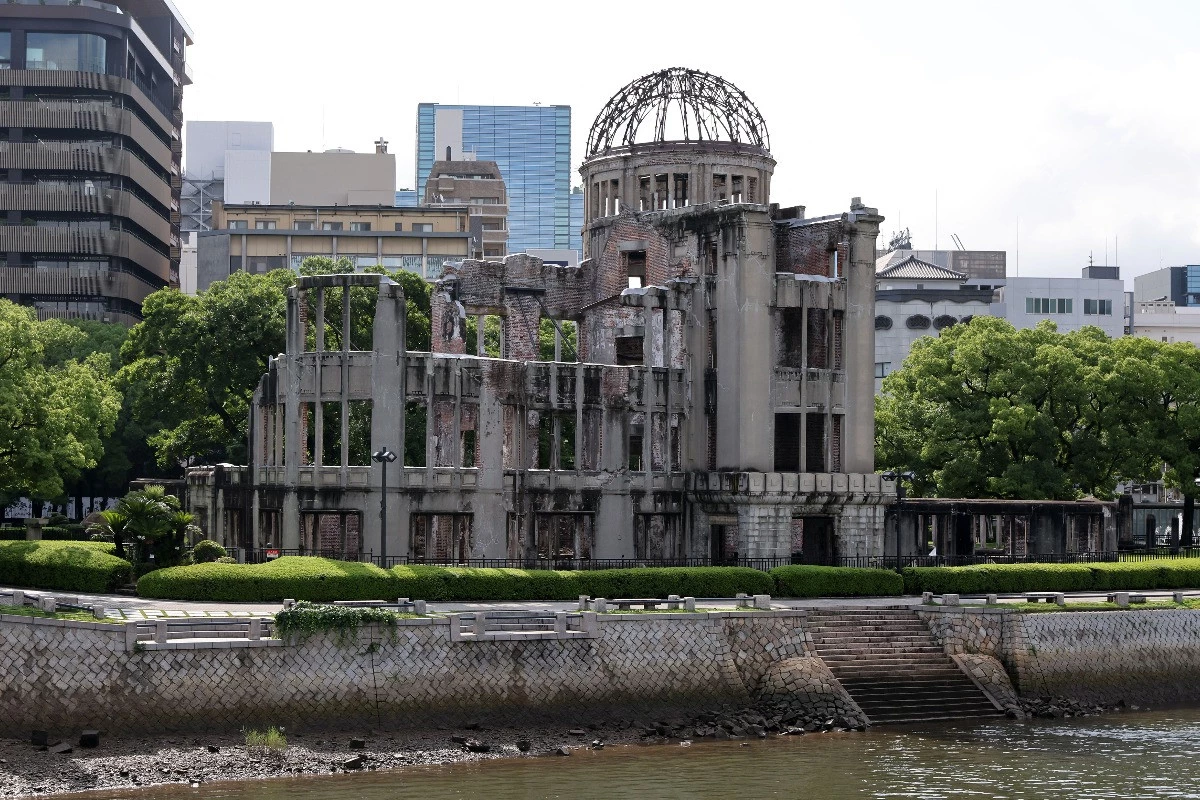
(407, 198)
(91, 107)
(532, 147)
(1097, 298)
(260, 238)
(477, 185)
(1180, 285)
(576, 205)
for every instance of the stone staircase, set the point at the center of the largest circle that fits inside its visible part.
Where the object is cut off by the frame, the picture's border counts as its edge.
(891, 665)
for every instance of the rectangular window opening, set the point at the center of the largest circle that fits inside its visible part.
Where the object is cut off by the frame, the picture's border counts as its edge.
(814, 445)
(415, 424)
(787, 442)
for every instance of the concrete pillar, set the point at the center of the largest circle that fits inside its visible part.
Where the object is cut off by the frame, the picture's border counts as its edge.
(764, 531)
(387, 418)
(859, 340)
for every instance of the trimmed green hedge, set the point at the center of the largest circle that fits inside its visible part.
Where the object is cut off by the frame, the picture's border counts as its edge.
(308, 578)
(55, 533)
(1180, 573)
(69, 566)
(809, 581)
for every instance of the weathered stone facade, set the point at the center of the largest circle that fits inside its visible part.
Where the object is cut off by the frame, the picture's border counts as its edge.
(699, 387)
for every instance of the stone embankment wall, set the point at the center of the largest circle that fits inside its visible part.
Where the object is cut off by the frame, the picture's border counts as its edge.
(57, 673)
(1149, 656)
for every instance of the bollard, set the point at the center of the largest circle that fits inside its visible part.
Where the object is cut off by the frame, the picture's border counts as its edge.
(689, 604)
(480, 623)
(600, 605)
(950, 600)
(98, 612)
(1060, 599)
(47, 604)
(400, 601)
(560, 623)
(762, 601)
(18, 597)
(255, 631)
(131, 632)
(1177, 597)
(992, 600)
(583, 602)
(926, 598)
(160, 631)
(419, 607)
(287, 604)
(1121, 599)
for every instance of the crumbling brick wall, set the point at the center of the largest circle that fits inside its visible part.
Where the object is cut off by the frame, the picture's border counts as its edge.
(807, 249)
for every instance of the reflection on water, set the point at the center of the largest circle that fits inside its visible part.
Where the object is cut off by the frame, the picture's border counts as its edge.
(1147, 755)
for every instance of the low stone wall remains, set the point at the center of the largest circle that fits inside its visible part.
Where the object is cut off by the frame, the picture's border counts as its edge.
(56, 673)
(1150, 657)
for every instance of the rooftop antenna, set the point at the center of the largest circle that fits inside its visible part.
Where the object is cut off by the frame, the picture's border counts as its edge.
(935, 219)
(957, 241)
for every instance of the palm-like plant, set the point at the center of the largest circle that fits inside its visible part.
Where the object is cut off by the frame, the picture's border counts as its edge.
(112, 523)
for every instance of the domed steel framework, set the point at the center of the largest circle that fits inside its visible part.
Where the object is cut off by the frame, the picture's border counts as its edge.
(709, 107)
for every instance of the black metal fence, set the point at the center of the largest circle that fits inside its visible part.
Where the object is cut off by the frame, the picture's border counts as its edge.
(763, 564)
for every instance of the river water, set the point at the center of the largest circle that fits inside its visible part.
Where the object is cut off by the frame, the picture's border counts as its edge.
(1130, 755)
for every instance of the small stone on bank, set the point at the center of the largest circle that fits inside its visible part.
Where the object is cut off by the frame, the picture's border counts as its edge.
(523, 745)
(563, 751)
(353, 763)
(61, 749)
(357, 744)
(89, 739)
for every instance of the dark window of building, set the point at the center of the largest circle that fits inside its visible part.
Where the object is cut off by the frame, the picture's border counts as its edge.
(331, 533)
(883, 323)
(564, 535)
(440, 538)
(414, 434)
(814, 445)
(264, 225)
(918, 322)
(629, 350)
(360, 226)
(422, 227)
(787, 442)
(818, 348)
(74, 52)
(1097, 307)
(882, 368)
(238, 225)
(943, 321)
(5, 50)
(791, 337)
(331, 226)
(304, 225)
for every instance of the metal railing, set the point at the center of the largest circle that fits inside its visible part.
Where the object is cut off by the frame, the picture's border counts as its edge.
(259, 556)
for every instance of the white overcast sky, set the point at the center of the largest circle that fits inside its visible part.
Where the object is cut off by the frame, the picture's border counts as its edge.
(1079, 119)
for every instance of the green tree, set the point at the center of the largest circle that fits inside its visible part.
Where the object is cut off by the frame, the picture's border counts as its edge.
(54, 411)
(192, 364)
(985, 410)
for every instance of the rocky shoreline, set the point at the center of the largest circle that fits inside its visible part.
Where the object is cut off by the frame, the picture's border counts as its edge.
(124, 762)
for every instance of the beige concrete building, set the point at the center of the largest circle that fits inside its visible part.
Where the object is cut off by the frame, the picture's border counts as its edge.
(479, 186)
(698, 390)
(334, 178)
(259, 238)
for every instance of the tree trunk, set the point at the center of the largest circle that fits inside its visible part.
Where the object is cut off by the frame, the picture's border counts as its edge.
(1189, 505)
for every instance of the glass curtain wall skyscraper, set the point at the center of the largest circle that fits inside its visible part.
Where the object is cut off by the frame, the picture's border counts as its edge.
(532, 147)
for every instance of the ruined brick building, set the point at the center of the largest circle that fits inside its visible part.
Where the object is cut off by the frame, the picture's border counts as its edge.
(700, 386)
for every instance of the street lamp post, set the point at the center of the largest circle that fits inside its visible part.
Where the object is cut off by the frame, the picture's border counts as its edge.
(899, 478)
(383, 456)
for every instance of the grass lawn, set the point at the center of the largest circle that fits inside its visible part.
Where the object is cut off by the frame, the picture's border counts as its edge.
(77, 616)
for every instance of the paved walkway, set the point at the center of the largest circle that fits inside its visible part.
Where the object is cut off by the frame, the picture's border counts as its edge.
(125, 607)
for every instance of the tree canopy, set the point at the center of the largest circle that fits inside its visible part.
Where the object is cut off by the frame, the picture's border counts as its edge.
(56, 404)
(986, 410)
(192, 364)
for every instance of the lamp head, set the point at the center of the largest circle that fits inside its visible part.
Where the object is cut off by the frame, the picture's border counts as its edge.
(383, 456)
(890, 475)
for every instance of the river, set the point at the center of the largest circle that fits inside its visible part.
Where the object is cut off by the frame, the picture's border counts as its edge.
(1130, 755)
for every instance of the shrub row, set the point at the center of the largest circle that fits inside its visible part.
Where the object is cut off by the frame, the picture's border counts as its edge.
(1182, 573)
(55, 533)
(307, 578)
(808, 581)
(69, 566)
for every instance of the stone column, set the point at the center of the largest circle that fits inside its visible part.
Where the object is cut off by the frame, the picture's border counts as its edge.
(862, 225)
